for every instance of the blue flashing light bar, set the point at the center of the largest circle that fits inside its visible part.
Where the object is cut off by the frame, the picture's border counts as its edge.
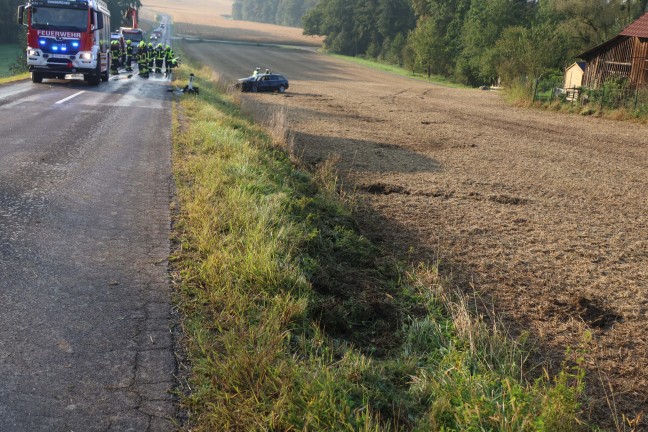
(67, 46)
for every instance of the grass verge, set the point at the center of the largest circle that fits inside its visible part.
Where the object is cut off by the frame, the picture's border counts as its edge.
(522, 96)
(397, 70)
(8, 55)
(295, 321)
(9, 79)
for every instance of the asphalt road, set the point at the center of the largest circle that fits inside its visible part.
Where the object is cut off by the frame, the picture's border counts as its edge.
(85, 185)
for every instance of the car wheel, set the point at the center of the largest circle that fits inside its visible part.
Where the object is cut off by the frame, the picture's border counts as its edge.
(282, 89)
(36, 77)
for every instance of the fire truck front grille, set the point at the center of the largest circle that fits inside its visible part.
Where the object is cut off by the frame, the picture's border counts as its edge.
(58, 60)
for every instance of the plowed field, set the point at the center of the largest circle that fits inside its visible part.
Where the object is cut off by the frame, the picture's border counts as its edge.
(543, 215)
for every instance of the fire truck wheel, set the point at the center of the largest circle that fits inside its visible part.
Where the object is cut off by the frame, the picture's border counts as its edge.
(105, 76)
(36, 77)
(92, 79)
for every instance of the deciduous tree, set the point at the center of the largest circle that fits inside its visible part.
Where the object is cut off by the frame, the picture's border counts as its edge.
(9, 28)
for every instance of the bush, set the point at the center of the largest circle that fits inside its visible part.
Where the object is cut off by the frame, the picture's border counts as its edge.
(615, 93)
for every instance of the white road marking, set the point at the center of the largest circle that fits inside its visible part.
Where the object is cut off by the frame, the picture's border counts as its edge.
(70, 97)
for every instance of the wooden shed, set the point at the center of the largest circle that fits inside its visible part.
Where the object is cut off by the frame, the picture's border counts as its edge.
(573, 79)
(574, 75)
(625, 55)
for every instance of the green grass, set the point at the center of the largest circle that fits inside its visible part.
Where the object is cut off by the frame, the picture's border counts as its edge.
(397, 70)
(8, 54)
(522, 95)
(9, 79)
(293, 321)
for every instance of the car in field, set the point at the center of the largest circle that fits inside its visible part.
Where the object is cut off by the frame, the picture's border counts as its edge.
(270, 82)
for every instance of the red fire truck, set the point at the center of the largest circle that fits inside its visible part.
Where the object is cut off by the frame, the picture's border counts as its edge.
(133, 34)
(67, 37)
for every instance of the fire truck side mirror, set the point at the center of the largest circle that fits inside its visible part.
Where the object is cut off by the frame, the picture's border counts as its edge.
(21, 12)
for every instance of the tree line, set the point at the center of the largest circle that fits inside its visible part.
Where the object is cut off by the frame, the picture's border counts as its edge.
(11, 32)
(9, 29)
(471, 41)
(282, 12)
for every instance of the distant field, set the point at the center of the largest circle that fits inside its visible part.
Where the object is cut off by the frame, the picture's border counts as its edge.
(8, 53)
(211, 20)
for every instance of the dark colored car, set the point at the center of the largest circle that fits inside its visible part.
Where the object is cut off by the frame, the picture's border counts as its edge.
(263, 83)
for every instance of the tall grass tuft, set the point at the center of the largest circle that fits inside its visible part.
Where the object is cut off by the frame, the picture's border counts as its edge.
(295, 321)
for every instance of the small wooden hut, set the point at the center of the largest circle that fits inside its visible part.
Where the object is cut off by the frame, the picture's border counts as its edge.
(574, 75)
(625, 55)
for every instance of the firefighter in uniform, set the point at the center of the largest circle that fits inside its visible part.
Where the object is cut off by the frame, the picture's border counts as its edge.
(115, 53)
(159, 58)
(175, 62)
(168, 60)
(142, 59)
(129, 56)
(151, 57)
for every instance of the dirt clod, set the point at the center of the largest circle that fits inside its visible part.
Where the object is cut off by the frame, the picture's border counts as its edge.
(594, 315)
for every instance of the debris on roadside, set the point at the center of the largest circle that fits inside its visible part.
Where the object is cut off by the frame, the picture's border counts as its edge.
(190, 88)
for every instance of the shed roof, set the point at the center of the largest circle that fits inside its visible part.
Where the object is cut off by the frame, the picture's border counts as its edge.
(639, 28)
(592, 52)
(578, 64)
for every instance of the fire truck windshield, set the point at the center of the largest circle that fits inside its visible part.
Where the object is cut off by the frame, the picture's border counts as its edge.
(48, 18)
(133, 37)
